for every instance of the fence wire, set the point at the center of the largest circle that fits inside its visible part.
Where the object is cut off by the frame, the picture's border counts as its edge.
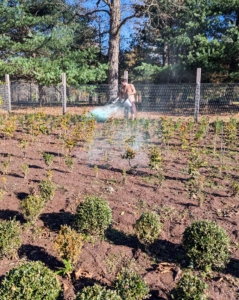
(3, 103)
(175, 99)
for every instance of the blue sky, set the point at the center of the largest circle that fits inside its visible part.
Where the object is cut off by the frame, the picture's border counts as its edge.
(126, 30)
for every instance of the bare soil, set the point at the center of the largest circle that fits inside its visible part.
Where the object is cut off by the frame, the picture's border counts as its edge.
(161, 263)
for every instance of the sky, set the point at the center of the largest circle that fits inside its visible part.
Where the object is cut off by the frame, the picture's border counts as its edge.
(127, 29)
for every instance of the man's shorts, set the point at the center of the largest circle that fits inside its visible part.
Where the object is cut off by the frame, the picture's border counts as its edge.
(133, 108)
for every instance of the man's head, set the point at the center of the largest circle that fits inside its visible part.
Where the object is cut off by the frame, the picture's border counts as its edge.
(124, 82)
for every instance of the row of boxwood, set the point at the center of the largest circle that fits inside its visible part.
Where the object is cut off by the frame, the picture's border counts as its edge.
(33, 280)
(206, 244)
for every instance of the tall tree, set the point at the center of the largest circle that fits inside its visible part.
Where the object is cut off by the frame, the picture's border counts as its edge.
(40, 39)
(119, 12)
(200, 34)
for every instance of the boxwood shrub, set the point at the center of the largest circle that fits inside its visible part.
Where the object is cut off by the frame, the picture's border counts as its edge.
(47, 189)
(31, 207)
(30, 281)
(189, 287)
(93, 216)
(97, 292)
(207, 244)
(68, 244)
(148, 227)
(130, 286)
(10, 238)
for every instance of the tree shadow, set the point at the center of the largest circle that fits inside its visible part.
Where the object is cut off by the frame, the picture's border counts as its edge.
(21, 195)
(54, 220)
(215, 194)
(15, 175)
(11, 214)
(154, 295)
(35, 167)
(188, 204)
(56, 154)
(60, 171)
(118, 237)
(168, 252)
(35, 253)
(163, 250)
(233, 267)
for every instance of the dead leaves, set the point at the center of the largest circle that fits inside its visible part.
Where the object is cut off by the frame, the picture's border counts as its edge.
(165, 267)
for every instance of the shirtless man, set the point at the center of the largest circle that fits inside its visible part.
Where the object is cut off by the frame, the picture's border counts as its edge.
(127, 92)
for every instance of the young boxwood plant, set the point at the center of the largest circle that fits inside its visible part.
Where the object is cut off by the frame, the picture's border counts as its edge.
(68, 244)
(47, 189)
(148, 227)
(189, 287)
(10, 238)
(207, 244)
(48, 158)
(32, 280)
(130, 286)
(31, 207)
(97, 292)
(93, 216)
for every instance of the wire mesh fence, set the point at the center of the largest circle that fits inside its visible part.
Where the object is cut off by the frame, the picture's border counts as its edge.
(175, 99)
(3, 102)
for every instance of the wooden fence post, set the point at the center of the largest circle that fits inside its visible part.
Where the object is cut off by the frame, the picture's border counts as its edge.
(197, 94)
(8, 93)
(126, 75)
(63, 93)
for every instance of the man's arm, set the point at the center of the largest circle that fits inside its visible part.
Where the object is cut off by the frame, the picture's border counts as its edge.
(133, 90)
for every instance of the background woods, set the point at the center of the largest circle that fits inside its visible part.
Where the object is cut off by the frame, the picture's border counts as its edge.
(94, 41)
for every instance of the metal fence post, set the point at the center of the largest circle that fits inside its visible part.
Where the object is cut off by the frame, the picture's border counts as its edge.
(197, 94)
(63, 93)
(8, 93)
(126, 75)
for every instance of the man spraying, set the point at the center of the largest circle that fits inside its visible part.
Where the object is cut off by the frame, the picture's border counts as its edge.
(128, 92)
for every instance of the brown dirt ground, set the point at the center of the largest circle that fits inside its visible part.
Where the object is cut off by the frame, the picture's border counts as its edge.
(100, 259)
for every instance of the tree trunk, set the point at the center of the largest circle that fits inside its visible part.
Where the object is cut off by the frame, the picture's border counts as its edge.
(165, 55)
(114, 44)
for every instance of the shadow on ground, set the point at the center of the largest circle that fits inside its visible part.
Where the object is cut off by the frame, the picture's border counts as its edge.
(233, 267)
(54, 220)
(11, 214)
(35, 253)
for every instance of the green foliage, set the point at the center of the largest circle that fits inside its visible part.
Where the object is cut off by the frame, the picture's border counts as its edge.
(189, 287)
(47, 189)
(97, 292)
(129, 154)
(25, 169)
(48, 158)
(195, 162)
(207, 244)
(68, 244)
(155, 158)
(47, 38)
(234, 186)
(68, 268)
(32, 280)
(130, 286)
(10, 238)
(148, 227)
(69, 162)
(199, 34)
(31, 207)
(93, 215)
(2, 193)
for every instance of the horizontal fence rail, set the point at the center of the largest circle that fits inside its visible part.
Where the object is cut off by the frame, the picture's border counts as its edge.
(175, 99)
